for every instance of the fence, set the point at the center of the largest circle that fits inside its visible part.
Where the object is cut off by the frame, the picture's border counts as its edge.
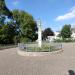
(46, 47)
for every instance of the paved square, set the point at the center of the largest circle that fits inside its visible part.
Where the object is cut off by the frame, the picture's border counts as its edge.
(55, 64)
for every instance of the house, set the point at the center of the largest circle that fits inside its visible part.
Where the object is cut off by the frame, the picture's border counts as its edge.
(73, 33)
(51, 38)
(56, 36)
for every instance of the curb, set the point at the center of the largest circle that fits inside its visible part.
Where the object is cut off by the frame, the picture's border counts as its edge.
(23, 53)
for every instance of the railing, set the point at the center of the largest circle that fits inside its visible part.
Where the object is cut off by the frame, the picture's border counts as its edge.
(46, 47)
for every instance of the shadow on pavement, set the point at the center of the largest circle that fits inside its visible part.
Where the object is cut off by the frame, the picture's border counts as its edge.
(71, 72)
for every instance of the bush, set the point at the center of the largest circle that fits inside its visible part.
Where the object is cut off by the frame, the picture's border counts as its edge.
(58, 40)
(64, 40)
(24, 40)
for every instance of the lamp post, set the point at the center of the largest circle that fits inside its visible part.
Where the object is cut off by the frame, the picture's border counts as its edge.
(39, 33)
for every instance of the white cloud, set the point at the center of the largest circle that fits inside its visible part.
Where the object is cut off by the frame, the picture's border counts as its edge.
(16, 2)
(69, 15)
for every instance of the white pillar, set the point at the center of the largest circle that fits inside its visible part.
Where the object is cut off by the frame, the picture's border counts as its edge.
(39, 34)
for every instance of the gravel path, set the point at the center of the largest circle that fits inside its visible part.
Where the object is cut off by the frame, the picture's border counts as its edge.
(56, 64)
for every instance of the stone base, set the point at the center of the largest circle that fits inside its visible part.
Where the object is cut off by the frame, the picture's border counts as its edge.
(23, 53)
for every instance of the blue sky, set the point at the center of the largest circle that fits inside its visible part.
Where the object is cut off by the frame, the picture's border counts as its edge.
(52, 13)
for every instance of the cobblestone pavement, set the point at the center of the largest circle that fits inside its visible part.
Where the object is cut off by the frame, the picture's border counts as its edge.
(55, 64)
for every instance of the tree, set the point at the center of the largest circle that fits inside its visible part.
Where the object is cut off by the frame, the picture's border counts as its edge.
(66, 31)
(7, 34)
(20, 21)
(2, 19)
(47, 32)
(26, 24)
(4, 10)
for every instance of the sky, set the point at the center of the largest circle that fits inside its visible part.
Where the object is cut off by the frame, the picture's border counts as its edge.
(52, 13)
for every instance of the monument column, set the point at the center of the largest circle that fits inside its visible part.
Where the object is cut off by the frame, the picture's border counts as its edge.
(39, 33)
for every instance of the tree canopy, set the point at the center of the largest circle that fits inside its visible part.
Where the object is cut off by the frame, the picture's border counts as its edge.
(26, 23)
(7, 34)
(7, 31)
(21, 25)
(4, 10)
(47, 32)
(66, 31)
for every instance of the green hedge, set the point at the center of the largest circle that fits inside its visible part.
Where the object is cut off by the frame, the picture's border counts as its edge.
(7, 46)
(65, 40)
